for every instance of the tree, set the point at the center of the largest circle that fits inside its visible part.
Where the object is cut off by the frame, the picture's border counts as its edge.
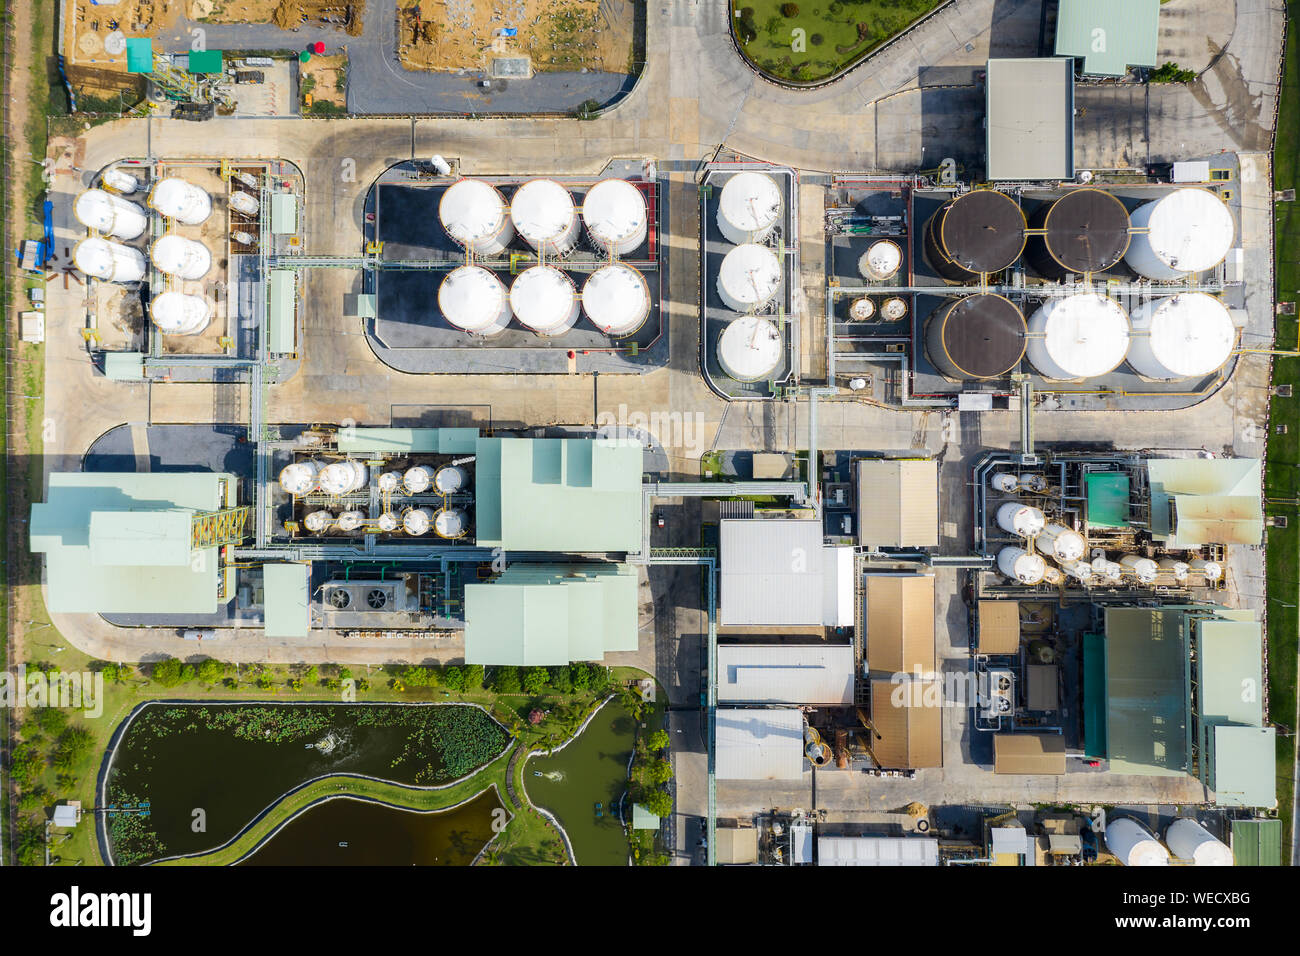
(599, 678)
(789, 10)
(473, 676)
(26, 764)
(51, 720)
(659, 802)
(363, 684)
(33, 799)
(505, 680)
(580, 676)
(74, 745)
(167, 672)
(295, 683)
(210, 671)
(560, 679)
(264, 681)
(453, 678)
(657, 741)
(536, 716)
(310, 675)
(659, 772)
(534, 681)
(111, 672)
(345, 673)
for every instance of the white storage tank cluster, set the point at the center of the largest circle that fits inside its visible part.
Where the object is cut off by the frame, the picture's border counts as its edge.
(417, 480)
(449, 479)
(474, 214)
(178, 313)
(110, 261)
(343, 477)
(180, 200)
(351, 520)
(1210, 570)
(615, 214)
(544, 300)
(1020, 566)
(473, 299)
(616, 299)
(749, 277)
(1181, 336)
(450, 523)
(175, 255)
(749, 208)
(749, 348)
(543, 215)
(1178, 569)
(1133, 844)
(1188, 840)
(1144, 569)
(417, 521)
(1078, 337)
(300, 477)
(1022, 520)
(1186, 231)
(110, 215)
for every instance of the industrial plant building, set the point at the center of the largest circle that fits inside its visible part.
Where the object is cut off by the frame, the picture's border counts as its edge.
(806, 674)
(776, 572)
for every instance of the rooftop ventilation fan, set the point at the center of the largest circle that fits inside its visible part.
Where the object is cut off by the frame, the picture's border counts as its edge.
(376, 598)
(339, 599)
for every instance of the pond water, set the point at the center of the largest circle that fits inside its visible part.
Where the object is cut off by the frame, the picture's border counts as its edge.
(590, 770)
(221, 766)
(351, 832)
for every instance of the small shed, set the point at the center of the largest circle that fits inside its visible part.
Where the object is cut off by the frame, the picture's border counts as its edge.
(999, 627)
(1029, 754)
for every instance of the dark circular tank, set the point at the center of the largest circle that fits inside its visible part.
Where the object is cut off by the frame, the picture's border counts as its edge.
(975, 233)
(977, 336)
(1086, 231)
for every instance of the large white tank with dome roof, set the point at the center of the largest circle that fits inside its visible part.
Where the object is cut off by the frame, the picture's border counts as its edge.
(1062, 543)
(178, 313)
(110, 215)
(450, 523)
(475, 215)
(178, 256)
(1185, 231)
(417, 521)
(748, 277)
(543, 214)
(1188, 840)
(474, 300)
(1181, 336)
(749, 207)
(749, 348)
(343, 477)
(1080, 336)
(1020, 519)
(616, 216)
(544, 300)
(450, 479)
(616, 299)
(120, 181)
(1020, 566)
(300, 478)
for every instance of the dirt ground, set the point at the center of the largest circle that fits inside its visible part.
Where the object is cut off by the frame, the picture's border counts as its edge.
(88, 26)
(555, 34)
(285, 14)
(327, 74)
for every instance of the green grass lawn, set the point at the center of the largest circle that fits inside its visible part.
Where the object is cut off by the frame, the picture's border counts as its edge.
(822, 38)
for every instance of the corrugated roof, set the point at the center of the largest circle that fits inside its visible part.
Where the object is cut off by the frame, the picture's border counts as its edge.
(643, 819)
(1244, 762)
(1108, 35)
(139, 55)
(124, 366)
(771, 572)
(1147, 691)
(785, 674)
(900, 623)
(999, 627)
(1029, 753)
(1107, 494)
(204, 61)
(759, 744)
(908, 724)
(400, 441)
(1042, 690)
(1230, 509)
(736, 845)
(284, 214)
(1030, 137)
(288, 611)
(281, 301)
(1257, 842)
(898, 503)
(1230, 672)
(1096, 708)
(877, 851)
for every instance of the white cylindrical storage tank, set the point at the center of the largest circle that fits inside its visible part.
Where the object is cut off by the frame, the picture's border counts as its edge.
(474, 214)
(749, 207)
(241, 201)
(449, 479)
(474, 300)
(351, 520)
(120, 181)
(418, 479)
(1020, 519)
(1020, 566)
(1133, 844)
(1179, 569)
(1187, 230)
(544, 300)
(449, 523)
(616, 216)
(1210, 570)
(1104, 569)
(1003, 482)
(749, 348)
(1062, 543)
(247, 179)
(110, 261)
(343, 477)
(110, 215)
(1034, 483)
(862, 309)
(749, 277)
(543, 214)
(177, 256)
(177, 313)
(389, 482)
(318, 521)
(1182, 336)
(1053, 575)
(243, 238)
(881, 261)
(300, 477)
(1079, 570)
(417, 521)
(894, 309)
(1144, 569)
(616, 299)
(388, 522)
(1188, 840)
(1080, 336)
(179, 200)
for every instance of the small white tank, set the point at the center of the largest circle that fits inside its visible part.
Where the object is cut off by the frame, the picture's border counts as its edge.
(615, 213)
(1053, 575)
(862, 309)
(1211, 570)
(120, 181)
(1181, 336)
(351, 520)
(244, 238)
(176, 199)
(748, 277)
(749, 207)
(418, 479)
(1188, 840)
(417, 521)
(894, 309)
(543, 214)
(110, 261)
(1006, 483)
(474, 214)
(178, 256)
(1144, 569)
(1081, 571)
(388, 522)
(389, 482)
(343, 477)
(1179, 569)
(300, 477)
(246, 179)
(1062, 543)
(1187, 230)
(177, 313)
(473, 299)
(449, 479)
(880, 262)
(749, 348)
(1033, 483)
(1133, 844)
(616, 299)
(110, 215)
(1020, 519)
(1081, 336)
(1106, 570)
(544, 300)
(242, 202)
(318, 522)
(449, 523)
(1020, 566)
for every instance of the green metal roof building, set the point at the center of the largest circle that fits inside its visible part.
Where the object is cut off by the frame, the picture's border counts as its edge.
(1196, 501)
(551, 614)
(1257, 842)
(1107, 494)
(1238, 753)
(408, 441)
(120, 543)
(1108, 36)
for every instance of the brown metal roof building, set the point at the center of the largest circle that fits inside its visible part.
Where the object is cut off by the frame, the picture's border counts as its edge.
(999, 627)
(898, 502)
(1029, 753)
(899, 620)
(907, 720)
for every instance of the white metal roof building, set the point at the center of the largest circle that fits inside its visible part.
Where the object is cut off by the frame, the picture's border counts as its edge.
(877, 851)
(759, 744)
(786, 674)
(1030, 119)
(771, 573)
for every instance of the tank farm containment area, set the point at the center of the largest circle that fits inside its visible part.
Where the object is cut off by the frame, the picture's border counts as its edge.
(527, 274)
(1099, 296)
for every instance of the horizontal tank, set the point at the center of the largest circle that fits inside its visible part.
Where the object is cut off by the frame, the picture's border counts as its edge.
(1210, 570)
(181, 257)
(1062, 543)
(749, 208)
(176, 313)
(1181, 336)
(616, 299)
(417, 521)
(1188, 230)
(474, 300)
(543, 214)
(1144, 569)
(1188, 840)
(615, 214)
(1081, 571)
(1018, 565)
(242, 202)
(474, 214)
(318, 522)
(1133, 844)
(176, 199)
(1020, 519)
(1106, 570)
(1085, 231)
(1003, 482)
(387, 522)
(351, 520)
(860, 310)
(544, 300)
(975, 234)
(300, 477)
(748, 277)
(450, 479)
(1172, 566)
(1078, 337)
(881, 261)
(976, 337)
(120, 181)
(417, 480)
(110, 215)
(749, 348)
(110, 261)
(450, 523)
(344, 477)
